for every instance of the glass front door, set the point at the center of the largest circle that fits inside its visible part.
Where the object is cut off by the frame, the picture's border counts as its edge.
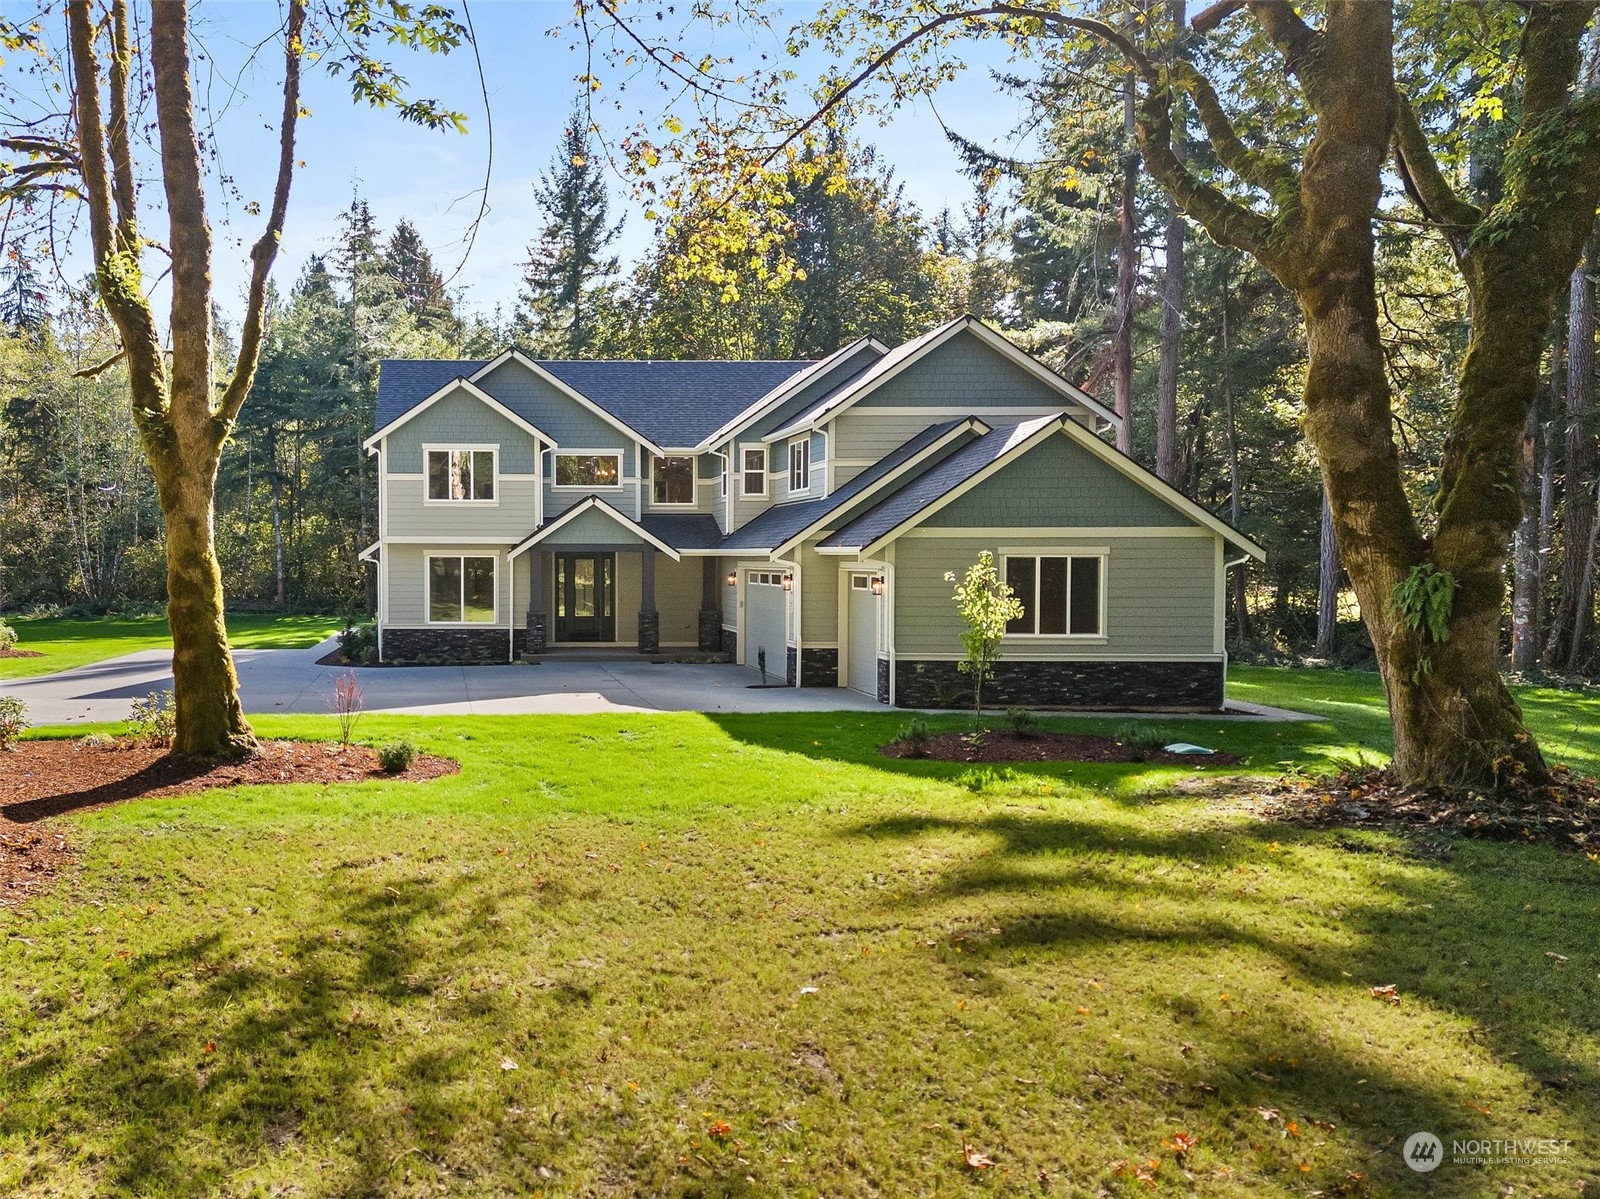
(586, 590)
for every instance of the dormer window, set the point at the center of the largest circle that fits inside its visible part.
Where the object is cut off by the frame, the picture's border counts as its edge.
(800, 464)
(672, 480)
(462, 474)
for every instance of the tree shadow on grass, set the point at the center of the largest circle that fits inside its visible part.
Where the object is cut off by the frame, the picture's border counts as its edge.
(1466, 937)
(224, 1049)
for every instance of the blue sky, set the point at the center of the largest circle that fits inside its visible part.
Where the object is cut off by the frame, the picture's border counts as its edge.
(434, 178)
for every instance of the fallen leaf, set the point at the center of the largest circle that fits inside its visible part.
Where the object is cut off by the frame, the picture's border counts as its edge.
(1388, 993)
(974, 1159)
(1269, 1114)
(719, 1129)
(507, 1064)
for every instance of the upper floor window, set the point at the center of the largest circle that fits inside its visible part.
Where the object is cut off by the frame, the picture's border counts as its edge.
(800, 464)
(754, 473)
(672, 480)
(461, 474)
(1060, 596)
(588, 470)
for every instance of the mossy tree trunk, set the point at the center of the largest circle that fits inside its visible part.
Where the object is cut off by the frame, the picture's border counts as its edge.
(1455, 723)
(183, 421)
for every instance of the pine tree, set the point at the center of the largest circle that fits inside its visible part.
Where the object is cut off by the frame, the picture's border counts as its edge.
(568, 271)
(421, 286)
(23, 305)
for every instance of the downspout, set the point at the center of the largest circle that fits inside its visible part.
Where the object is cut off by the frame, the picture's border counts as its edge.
(1226, 567)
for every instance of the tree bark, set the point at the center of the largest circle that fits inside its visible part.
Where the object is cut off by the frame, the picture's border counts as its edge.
(1127, 275)
(1564, 646)
(1527, 577)
(1327, 583)
(1171, 305)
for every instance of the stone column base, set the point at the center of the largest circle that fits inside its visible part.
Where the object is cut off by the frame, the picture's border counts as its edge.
(710, 630)
(538, 634)
(649, 632)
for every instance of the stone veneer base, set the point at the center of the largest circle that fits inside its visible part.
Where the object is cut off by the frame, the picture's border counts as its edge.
(819, 667)
(453, 646)
(1193, 686)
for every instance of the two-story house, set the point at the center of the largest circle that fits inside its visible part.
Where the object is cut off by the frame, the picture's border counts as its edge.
(800, 514)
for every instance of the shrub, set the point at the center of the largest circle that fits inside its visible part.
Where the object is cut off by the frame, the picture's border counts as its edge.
(917, 735)
(358, 643)
(13, 720)
(153, 718)
(346, 703)
(8, 637)
(1146, 738)
(986, 778)
(395, 757)
(97, 741)
(1021, 721)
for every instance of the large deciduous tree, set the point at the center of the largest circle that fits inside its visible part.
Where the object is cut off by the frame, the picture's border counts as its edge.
(183, 411)
(1298, 186)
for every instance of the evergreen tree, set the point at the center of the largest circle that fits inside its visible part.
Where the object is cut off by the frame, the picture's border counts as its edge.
(23, 304)
(409, 264)
(568, 272)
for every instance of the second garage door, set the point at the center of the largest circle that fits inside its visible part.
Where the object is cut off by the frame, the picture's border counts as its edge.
(765, 610)
(863, 636)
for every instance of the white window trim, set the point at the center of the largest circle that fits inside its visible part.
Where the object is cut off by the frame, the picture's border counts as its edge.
(693, 501)
(462, 447)
(806, 485)
(1055, 551)
(745, 472)
(427, 596)
(563, 452)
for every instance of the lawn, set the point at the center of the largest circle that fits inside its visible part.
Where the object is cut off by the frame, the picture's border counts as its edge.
(745, 955)
(66, 643)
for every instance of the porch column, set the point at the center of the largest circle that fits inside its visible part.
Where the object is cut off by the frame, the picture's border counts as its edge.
(538, 618)
(710, 608)
(649, 618)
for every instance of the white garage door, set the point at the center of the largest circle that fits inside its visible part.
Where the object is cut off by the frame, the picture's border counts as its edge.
(765, 608)
(863, 635)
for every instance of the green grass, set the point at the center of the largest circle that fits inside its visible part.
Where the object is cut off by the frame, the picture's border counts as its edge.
(66, 643)
(1356, 727)
(670, 923)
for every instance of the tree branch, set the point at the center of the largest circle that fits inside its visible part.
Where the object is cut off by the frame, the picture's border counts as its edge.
(122, 186)
(1257, 167)
(266, 247)
(90, 372)
(1426, 183)
(191, 322)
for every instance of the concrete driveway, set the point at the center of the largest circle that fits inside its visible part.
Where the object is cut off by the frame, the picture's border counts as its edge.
(289, 680)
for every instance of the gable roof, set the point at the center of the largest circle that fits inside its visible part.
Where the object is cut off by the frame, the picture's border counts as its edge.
(795, 384)
(587, 503)
(903, 356)
(782, 524)
(449, 387)
(925, 495)
(666, 404)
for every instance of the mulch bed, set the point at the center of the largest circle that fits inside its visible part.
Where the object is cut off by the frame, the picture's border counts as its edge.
(1565, 813)
(21, 653)
(39, 779)
(999, 746)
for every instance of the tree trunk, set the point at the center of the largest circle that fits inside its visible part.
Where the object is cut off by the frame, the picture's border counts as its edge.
(1526, 572)
(1127, 276)
(1327, 583)
(1171, 307)
(1563, 646)
(205, 687)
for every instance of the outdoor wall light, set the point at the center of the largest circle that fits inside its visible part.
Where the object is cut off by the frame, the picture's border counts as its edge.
(733, 578)
(877, 584)
(788, 582)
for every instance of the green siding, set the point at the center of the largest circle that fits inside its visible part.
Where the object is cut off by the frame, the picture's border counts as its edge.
(406, 567)
(406, 515)
(1057, 483)
(561, 417)
(593, 527)
(1161, 596)
(965, 374)
(457, 419)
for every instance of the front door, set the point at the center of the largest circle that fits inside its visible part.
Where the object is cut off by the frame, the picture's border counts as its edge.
(586, 591)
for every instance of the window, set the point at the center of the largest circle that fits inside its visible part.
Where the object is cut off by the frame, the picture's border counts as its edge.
(800, 464)
(755, 472)
(588, 470)
(861, 582)
(461, 475)
(461, 590)
(1060, 596)
(764, 578)
(672, 480)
